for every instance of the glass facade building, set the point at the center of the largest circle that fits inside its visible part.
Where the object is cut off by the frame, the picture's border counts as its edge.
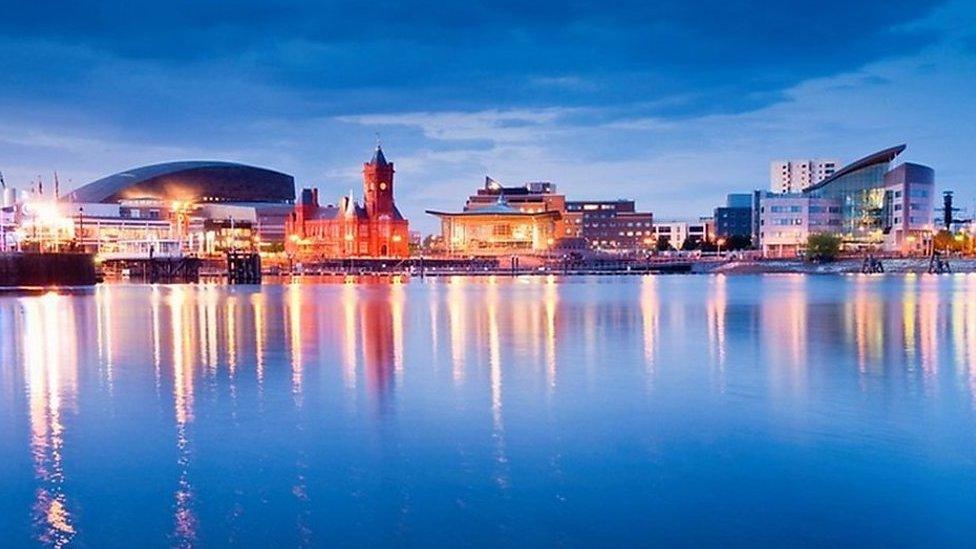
(859, 190)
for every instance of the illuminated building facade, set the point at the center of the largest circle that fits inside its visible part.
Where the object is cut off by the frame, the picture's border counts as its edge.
(349, 229)
(215, 190)
(498, 229)
(882, 208)
(787, 220)
(909, 207)
(609, 224)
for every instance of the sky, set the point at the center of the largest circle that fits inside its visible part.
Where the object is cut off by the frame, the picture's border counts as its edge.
(672, 103)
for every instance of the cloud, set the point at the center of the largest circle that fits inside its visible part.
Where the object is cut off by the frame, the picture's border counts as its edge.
(672, 103)
(329, 58)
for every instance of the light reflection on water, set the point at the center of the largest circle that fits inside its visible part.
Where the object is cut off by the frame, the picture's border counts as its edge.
(496, 410)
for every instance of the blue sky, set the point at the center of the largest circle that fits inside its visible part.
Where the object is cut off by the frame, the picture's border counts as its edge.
(672, 103)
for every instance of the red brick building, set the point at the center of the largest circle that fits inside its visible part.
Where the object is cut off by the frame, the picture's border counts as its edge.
(349, 229)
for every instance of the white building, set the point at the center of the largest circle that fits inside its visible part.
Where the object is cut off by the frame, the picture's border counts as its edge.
(786, 220)
(793, 176)
(677, 231)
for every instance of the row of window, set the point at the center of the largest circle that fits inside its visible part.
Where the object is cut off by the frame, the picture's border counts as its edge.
(914, 193)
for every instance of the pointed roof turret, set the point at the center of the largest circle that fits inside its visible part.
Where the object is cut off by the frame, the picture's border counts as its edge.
(378, 158)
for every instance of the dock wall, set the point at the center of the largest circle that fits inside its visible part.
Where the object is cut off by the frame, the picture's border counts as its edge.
(46, 269)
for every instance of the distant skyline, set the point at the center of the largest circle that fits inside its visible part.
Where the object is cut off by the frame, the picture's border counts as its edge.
(671, 104)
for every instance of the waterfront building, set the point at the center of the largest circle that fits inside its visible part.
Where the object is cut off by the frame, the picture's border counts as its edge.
(793, 176)
(787, 220)
(881, 208)
(609, 224)
(191, 181)
(498, 229)
(735, 218)
(676, 232)
(909, 207)
(201, 185)
(103, 229)
(374, 228)
(531, 197)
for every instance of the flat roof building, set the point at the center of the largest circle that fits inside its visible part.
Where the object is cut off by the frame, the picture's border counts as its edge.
(609, 224)
(793, 176)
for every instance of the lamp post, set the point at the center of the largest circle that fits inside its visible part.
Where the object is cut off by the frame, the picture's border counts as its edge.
(80, 237)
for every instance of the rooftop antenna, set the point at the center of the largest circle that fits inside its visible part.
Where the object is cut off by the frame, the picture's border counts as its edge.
(378, 142)
(57, 187)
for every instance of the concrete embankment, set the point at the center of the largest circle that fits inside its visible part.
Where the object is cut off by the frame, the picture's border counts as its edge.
(845, 266)
(43, 269)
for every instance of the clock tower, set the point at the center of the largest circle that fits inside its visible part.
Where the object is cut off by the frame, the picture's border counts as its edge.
(378, 186)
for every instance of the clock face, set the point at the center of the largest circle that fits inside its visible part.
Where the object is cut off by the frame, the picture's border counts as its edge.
(382, 186)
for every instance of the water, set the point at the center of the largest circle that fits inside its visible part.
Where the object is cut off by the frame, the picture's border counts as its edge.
(679, 409)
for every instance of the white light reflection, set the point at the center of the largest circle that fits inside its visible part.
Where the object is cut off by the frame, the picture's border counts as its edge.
(50, 383)
(182, 342)
(650, 318)
(494, 362)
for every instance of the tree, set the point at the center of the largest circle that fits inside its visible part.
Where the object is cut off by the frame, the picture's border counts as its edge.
(691, 243)
(663, 244)
(823, 247)
(944, 241)
(737, 242)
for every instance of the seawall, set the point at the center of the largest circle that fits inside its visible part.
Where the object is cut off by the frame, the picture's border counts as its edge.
(27, 269)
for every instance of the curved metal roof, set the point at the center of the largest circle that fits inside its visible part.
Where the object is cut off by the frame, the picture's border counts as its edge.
(191, 180)
(880, 157)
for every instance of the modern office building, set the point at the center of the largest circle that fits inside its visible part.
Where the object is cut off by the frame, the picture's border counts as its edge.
(909, 208)
(375, 228)
(787, 220)
(866, 192)
(793, 176)
(609, 224)
(735, 218)
(867, 204)
(676, 232)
